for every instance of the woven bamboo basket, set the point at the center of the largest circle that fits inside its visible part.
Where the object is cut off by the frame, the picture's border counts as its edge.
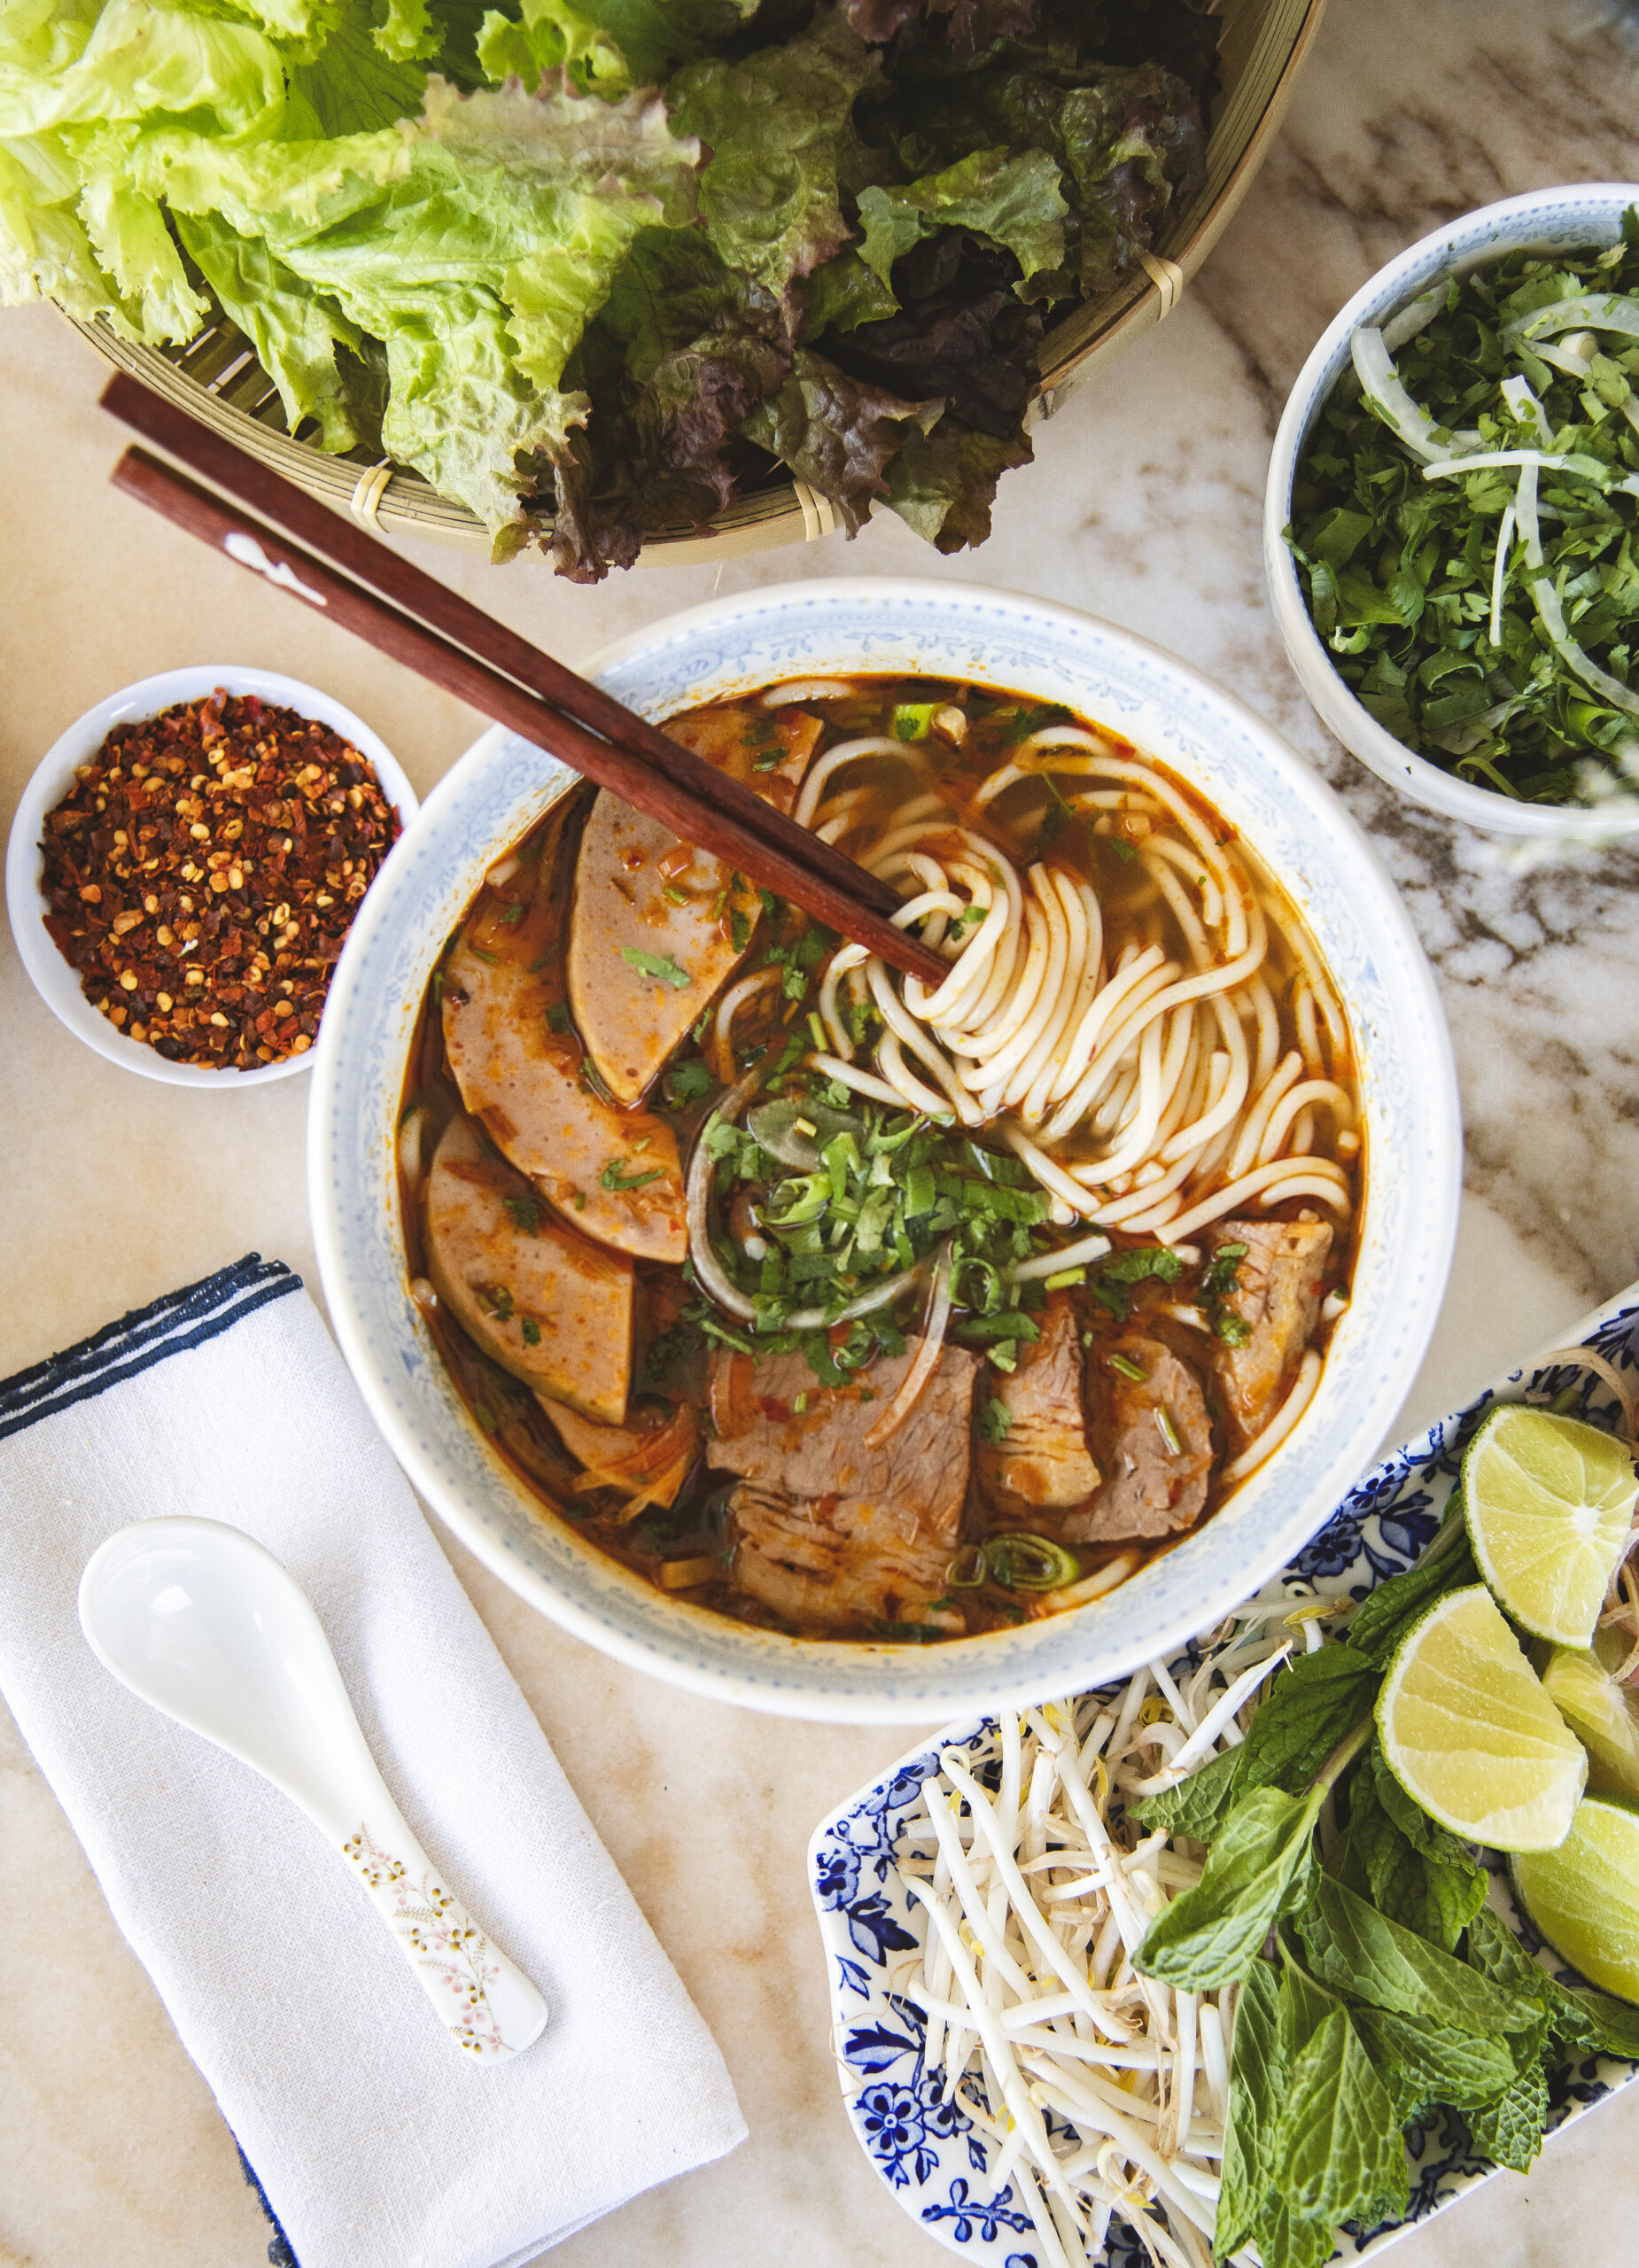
(217, 378)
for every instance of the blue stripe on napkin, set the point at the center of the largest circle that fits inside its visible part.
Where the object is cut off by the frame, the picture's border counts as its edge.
(148, 1335)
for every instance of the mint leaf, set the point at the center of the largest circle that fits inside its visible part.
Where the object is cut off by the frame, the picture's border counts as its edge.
(1260, 1864)
(1581, 2019)
(661, 966)
(1336, 2153)
(1310, 1706)
(1599, 2022)
(1285, 2242)
(1412, 1870)
(1510, 2130)
(1254, 2095)
(1422, 2062)
(1382, 1621)
(1196, 1806)
(1356, 1950)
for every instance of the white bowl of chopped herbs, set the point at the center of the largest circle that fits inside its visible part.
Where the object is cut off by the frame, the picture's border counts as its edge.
(1451, 512)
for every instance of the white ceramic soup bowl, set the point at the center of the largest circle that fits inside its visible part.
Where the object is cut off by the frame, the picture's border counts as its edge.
(54, 979)
(1262, 788)
(1546, 219)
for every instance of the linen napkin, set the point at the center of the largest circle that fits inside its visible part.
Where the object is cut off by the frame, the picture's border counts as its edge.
(376, 2144)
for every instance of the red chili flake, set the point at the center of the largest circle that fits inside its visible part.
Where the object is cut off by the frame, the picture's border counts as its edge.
(203, 872)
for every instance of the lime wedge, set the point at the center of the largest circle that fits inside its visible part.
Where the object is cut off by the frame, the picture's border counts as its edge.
(1469, 1733)
(1604, 1715)
(1550, 1506)
(1584, 1897)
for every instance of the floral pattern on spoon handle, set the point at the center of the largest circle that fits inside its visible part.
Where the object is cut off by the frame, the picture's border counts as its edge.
(488, 2005)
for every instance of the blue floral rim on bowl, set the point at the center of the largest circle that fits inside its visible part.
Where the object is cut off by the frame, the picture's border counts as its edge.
(928, 2152)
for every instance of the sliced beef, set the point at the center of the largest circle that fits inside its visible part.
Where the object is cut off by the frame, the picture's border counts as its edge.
(826, 1530)
(547, 1305)
(652, 936)
(1151, 1490)
(1043, 1462)
(1279, 1284)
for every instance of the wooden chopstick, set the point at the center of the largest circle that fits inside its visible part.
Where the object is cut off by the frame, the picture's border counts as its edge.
(349, 546)
(660, 794)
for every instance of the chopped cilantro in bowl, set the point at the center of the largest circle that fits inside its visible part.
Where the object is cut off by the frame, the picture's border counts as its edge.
(1453, 513)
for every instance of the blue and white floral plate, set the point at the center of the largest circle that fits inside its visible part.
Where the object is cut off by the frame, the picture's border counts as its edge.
(929, 2154)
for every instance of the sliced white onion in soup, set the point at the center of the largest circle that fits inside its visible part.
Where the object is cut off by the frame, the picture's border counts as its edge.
(806, 688)
(872, 1302)
(697, 1197)
(927, 1355)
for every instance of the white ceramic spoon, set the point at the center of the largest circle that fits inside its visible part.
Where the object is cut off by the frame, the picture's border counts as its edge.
(197, 1618)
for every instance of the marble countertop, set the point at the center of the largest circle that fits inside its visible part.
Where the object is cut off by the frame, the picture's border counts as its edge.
(1144, 507)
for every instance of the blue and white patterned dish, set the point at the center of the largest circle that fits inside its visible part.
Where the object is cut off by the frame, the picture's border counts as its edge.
(1544, 219)
(1263, 789)
(927, 2151)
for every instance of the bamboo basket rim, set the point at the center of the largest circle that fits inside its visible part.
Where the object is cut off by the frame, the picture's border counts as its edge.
(217, 378)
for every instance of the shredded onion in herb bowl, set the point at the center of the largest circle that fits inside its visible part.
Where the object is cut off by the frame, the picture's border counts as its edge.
(1452, 509)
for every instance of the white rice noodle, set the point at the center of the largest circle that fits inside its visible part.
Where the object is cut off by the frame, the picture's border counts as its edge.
(728, 1008)
(1069, 1255)
(1281, 1425)
(833, 760)
(863, 1082)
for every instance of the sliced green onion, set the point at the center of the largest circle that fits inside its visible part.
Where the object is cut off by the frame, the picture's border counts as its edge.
(1030, 1563)
(968, 1570)
(1169, 1431)
(1128, 1367)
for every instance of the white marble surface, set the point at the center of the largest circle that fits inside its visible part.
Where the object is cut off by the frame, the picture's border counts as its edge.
(1144, 507)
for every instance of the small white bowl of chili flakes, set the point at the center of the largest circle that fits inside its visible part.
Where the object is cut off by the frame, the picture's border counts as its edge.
(185, 864)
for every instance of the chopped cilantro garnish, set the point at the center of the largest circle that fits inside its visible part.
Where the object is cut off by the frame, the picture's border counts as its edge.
(995, 1421)
(1112, 1287)
(1222, 1271)
(661, 966)
(557, 1017)
(1035, 719)
(527, 1212)
(513, 915)
(531, 1330)
(687, 1081)
(913, 720)
(739, 928)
